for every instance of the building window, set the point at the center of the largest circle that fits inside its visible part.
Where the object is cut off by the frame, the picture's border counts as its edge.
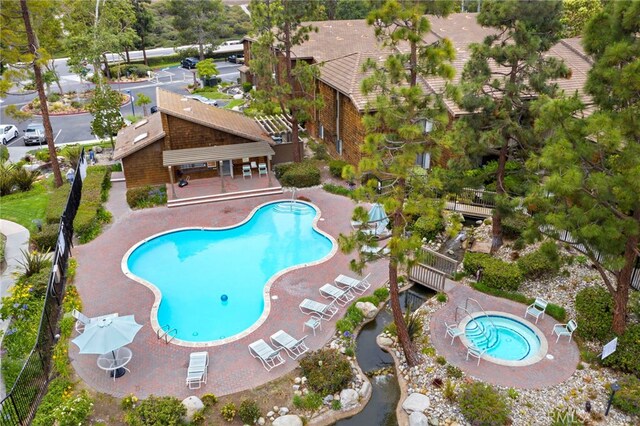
(321, 132)
(193, 166)
(424, 160)
(339, 146)
(427, 125)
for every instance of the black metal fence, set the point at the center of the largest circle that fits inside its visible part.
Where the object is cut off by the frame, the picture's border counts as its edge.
(19, 406)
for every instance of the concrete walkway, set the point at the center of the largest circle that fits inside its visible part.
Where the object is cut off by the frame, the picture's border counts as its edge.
(17, 240)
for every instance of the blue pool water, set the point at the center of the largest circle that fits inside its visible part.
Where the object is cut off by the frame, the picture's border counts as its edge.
(504, 338)
(194, 269)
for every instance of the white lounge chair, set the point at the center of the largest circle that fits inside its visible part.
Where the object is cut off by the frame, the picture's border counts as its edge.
(565, 329)
(294, 347)
(311, 307)
(341, 297)
(198, 369)
(358, 286)
(536, 309)
(475, 352)
(82, 320)
(262, 169)
(269, 357)
(453, 331)
(375, 251)
(246, 171)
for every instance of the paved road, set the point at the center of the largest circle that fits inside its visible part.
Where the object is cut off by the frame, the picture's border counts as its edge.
(73, 128)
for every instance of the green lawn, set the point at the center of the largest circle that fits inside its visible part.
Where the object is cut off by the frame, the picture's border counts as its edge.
(24, 207)
(234, 102)
(214, 94)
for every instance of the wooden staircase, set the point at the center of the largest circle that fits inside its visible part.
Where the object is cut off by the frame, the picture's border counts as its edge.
(214, 198)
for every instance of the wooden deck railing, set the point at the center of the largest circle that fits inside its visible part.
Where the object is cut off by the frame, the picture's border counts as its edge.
(427, 276)
(440, 262)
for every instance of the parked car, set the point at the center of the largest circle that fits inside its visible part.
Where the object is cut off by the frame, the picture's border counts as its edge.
(189, 63)
(34, 134)
(154, 109)
(8, 132)
(236, 59)
(204, 100)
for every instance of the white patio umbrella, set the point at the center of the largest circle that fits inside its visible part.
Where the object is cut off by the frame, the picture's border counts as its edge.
(107, 334)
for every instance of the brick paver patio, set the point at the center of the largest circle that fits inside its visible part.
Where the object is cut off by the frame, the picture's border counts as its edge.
(160, 369)
(542, 374)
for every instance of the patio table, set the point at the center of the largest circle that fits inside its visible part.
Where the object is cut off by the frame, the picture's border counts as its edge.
(114, 362)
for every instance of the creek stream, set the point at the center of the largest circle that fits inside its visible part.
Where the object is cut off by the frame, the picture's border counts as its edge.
(378, 365)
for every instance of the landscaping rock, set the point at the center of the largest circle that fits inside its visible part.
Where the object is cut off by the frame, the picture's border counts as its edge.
(327, 399)
(348, 399)
(368, 309)
(193, 404)
(365, 389)
(270, 414)
(283, 411)
(97, 149)
(385, 341)
(415, 402)
(288, 420)
(261, 421)
(418, 419)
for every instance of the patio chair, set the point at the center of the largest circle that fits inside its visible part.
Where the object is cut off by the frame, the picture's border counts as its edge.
(197, 370)
(358, 286)
(293, 347)
(269, 357)
(475, 352)
(246, 171)
(536, 309)
(262, 169)
(341, 297)
(311, 307)
(82, 320)
(375, 251)
(565, 329)
(453, 331)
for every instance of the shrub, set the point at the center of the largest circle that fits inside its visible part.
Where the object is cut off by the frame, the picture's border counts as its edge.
(343, 325)
(627, 398)
(301, 175)
(247, 86)
(414, 324)
(7, 178)
(137, 70)
(129, 402)
(228, 411)
(319, 150)
(594, 313)
(627, 354)
(73, 411)
(165, 410)
(336, 405)
(57, 390)
(381, 293)
(209, 399)
(311, 401)
(495, 272)
(354, 314)
(513, 225)
(43, 155)
(90, 215)
(280, 169)
(327, 371)
(57, 201)
(47, 238)
(33, 262)
(453, 371)
(4, 153)
(249, 412)
(429, 226)
(544, 261)
(441, 360)
(449, 391)
(335, 168)
(482, 404)
(441, 297)
(146, 196)
(337, 189)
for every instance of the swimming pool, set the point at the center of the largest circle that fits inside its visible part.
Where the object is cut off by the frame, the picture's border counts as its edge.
(212, 285)
(509, 340)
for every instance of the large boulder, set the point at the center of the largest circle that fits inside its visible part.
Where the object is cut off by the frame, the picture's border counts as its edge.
(348, 399)
(368, 309)
(415, 402)
(385, 341)
(288, 420)
(365, 390)
(193, 404)
(418, 419)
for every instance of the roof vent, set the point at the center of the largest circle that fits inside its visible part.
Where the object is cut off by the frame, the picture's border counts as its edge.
(187, 109)
(184, 99)
(140, 137)
(140, 123)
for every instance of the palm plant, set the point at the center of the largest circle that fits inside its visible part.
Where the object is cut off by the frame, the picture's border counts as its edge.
(33, 262)
(24, 178)
(7, 178)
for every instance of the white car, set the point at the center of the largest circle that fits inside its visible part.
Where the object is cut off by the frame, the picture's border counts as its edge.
(8, 132)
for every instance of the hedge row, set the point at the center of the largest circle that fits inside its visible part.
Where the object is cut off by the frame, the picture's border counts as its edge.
(337, 189)
(496, 273)
(555, 311)
(298, 175)
(90, 216)
(146, 196)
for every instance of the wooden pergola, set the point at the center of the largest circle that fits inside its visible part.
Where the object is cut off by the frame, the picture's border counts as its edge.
(216, 154)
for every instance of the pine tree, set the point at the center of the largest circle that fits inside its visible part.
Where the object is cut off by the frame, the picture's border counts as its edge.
(278, 24)
(395, 126)
(592, 163)
(503, 73)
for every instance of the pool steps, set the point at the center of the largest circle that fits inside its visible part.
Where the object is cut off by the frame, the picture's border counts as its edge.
(203, 199)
